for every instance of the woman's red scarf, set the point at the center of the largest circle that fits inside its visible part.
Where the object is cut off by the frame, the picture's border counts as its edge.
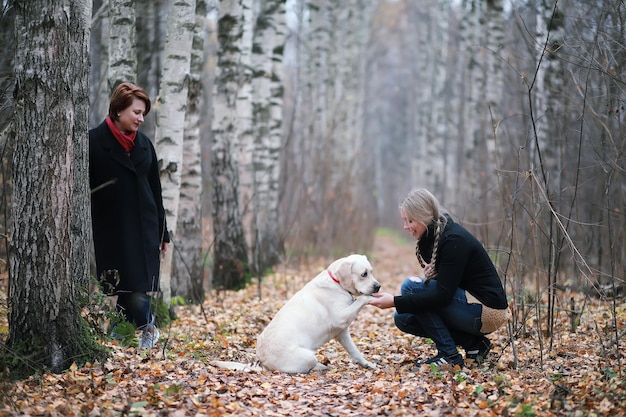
(127, 140)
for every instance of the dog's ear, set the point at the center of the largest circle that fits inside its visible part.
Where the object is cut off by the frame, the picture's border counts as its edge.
(345, 269)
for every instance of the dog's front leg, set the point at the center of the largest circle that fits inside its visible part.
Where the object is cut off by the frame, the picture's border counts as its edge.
(344, 337)
(346, 315)
(348, 344)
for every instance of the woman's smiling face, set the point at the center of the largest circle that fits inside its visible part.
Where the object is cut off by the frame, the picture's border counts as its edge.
(131, 117)
(416, 228)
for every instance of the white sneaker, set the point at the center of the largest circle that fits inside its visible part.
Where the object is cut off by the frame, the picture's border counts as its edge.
(149, 337)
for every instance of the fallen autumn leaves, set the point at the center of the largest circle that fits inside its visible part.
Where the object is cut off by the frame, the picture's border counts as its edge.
(575, 377)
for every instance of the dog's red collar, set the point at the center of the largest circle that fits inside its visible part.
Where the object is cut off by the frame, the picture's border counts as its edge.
(332, 277)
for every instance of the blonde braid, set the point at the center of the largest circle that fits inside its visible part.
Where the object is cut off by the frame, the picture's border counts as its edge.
(418, 254)
(440, 226)
(421, 206)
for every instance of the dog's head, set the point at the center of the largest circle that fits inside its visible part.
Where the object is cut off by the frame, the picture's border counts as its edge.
(354, 274)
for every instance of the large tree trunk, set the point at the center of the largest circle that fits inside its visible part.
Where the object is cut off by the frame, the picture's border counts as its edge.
(49, 257)
(230, 256)
(187, 275)
(171, 120)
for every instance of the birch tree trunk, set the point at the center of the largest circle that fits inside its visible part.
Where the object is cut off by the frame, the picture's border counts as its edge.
(245, 134)
(423, 94)
(613, 121)
(478, 105)
(122, 48)
(151, 31)
(49, 253)
(428, 148)
(318, 169)
(206, 145)
(295, 89)
(171, 120)
(431, 90)
(269, 40)
(491, 46)
(470, 125)
(550, 136)
(551, 75)
(187, 276)
(494, 44)
(99, 75)
(230, 256)
(441, 130)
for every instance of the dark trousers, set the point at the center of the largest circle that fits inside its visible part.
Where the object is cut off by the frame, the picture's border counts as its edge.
(136, 307)
(457, 324)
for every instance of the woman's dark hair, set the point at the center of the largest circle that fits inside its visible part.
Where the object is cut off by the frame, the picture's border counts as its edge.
(123, 96)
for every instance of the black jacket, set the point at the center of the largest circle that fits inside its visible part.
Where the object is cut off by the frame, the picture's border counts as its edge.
(463, 262)
(128, 217)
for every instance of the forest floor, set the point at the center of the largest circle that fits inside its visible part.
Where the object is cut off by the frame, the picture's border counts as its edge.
(572, 374)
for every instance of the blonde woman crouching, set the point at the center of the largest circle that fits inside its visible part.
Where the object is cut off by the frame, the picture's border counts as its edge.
(460, 300)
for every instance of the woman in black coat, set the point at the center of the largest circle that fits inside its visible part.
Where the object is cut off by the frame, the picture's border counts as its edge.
(460, 300)
(128, 218)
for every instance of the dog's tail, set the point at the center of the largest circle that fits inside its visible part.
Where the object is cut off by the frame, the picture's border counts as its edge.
(237, 366)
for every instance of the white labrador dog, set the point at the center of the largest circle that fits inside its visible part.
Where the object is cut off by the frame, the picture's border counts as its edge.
(322, 310)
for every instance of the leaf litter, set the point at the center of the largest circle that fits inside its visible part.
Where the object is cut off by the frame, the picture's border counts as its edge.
(581, 375)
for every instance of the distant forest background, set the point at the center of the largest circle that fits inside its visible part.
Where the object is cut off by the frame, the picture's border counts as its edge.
(291, 128)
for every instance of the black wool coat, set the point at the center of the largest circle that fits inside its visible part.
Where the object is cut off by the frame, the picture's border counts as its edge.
(128, 218)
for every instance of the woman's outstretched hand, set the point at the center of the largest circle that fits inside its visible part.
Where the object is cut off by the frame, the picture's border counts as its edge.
(382, 300)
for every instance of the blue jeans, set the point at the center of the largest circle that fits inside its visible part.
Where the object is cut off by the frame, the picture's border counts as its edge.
(136, 307)
(457, 324)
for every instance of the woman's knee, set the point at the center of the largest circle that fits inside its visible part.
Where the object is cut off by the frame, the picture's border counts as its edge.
(402, 321)
(408, 323)
(411, 285)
